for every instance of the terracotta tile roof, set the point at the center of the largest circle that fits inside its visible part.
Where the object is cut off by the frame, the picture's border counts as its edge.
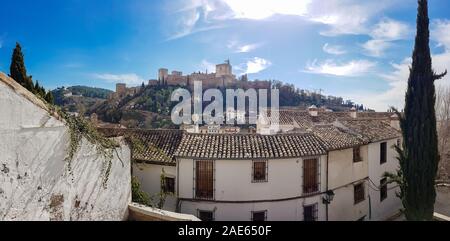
(305, 121)
(373, 129)
(160, 145)
(244, 146)
(374, 114)
(337, 138)
(152, 146)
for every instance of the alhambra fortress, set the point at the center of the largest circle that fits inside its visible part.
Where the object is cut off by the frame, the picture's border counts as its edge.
(222, 78)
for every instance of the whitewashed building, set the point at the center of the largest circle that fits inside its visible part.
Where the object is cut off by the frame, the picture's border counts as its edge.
(251, 177)
(328, 166)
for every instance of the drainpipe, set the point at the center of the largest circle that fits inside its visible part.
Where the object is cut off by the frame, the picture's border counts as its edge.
(326, 205)
(178, 207)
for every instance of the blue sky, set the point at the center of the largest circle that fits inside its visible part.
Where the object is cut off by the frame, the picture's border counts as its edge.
(358, 49)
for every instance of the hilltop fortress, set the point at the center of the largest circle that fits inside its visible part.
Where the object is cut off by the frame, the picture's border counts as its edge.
(222, 78)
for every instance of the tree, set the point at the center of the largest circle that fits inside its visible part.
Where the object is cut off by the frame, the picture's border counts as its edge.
(17, 69)
(49, 97)
(39, 90)
(419, 154)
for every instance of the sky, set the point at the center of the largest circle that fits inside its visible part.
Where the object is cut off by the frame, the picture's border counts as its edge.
(357, 49)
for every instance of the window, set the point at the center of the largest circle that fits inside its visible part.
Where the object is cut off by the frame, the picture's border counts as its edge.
(259, 216)
(359, 193)
(204, 180)
(310, 213)
(168, 185)
(310, 176)
(383, 153)
(260, 171)
(357, 154)
(206, 216)
(383, 189)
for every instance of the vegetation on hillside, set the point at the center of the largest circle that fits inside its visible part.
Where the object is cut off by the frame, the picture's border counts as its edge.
(78, 90)
(292, 96)
(150, 108)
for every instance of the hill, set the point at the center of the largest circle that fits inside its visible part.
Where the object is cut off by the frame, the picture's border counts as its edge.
(151, 106)
(79, 98)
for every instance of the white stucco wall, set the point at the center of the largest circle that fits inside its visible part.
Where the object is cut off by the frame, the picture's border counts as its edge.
(342, 169)
(149, 175)
(233, 182)
(35, 182)
(291, 210)
(391, 205)
(343, 173)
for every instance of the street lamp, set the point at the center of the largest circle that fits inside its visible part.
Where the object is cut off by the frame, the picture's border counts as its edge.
(329, 196)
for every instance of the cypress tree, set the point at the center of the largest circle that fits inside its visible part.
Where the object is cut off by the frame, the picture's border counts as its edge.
(17, 69)
(49, 97)
(419, 156)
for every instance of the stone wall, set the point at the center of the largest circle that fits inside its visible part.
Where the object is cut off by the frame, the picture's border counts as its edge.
(36, 182)
(143, 213)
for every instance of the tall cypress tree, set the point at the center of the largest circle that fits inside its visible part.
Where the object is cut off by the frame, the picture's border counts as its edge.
(17, 70)
(419, 156)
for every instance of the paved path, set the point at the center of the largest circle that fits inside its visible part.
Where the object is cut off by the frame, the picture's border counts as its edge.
(442, 205)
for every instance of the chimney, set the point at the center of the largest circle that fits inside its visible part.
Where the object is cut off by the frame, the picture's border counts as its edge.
(313, 110)
(395, 122)
(353, 113)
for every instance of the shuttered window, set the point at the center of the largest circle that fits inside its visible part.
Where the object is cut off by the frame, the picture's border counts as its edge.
(359, 193)
(204, 180)
(259, 171)
(169, 185)
(310, 213)
(357, 154)
(259, 216)
(310, 176)
(383, 152)
(206, 216)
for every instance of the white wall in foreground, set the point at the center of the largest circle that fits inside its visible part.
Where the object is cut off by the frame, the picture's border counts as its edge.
(35, 182)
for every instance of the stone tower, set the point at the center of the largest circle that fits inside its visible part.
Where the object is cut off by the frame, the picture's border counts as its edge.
(224, 69)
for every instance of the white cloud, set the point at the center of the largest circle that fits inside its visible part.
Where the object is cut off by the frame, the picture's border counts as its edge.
(397, 79)
(256, 65)
(261, 9)
(441, 33)
(334, 49)
(383, 34)
(129, 79)
(210, 67)
(389, 29)
(237, 47)
(376, 47)
(346, 16)
(350, 69)
(200, 14)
